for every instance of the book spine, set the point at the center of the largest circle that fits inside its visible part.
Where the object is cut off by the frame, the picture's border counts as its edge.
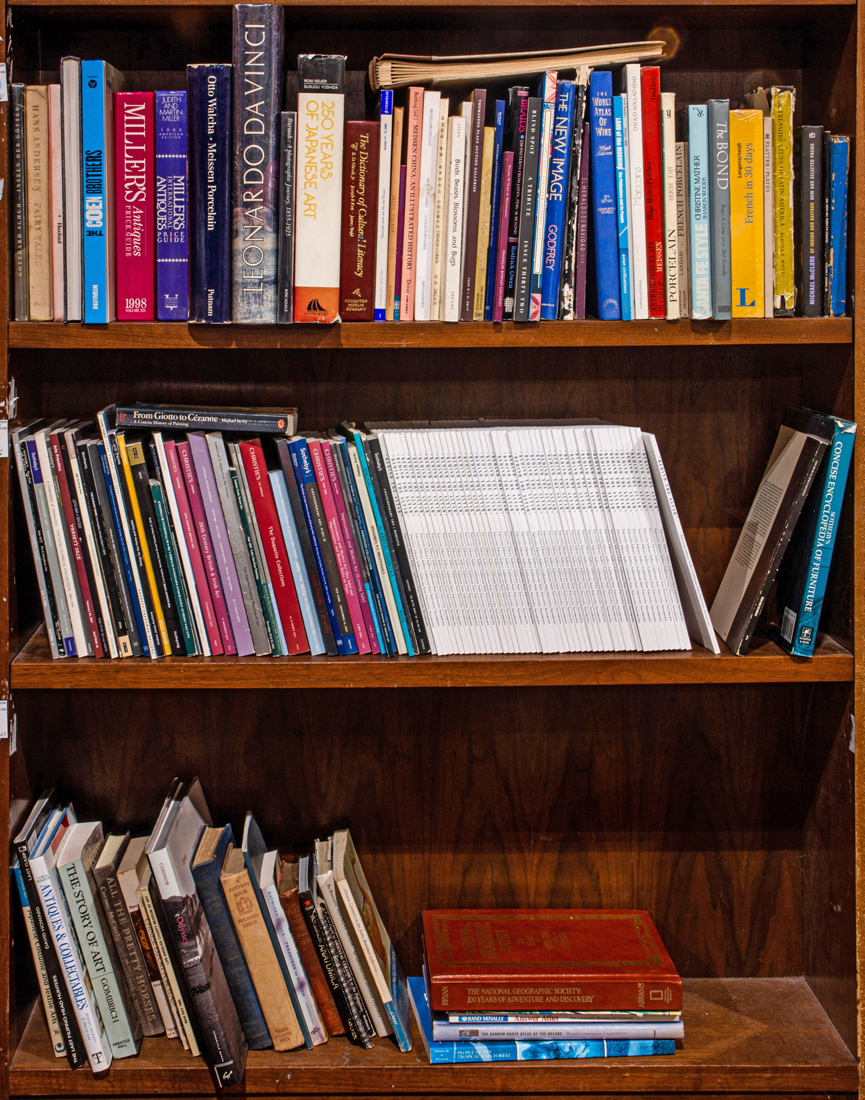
(256, 561)
(683, 227)
(257, 73)
(172, 208)
(582, 257)
(768, 221)
(810, 220)
(604, 196)
(719, 204)
(495, 210)
(136, 915)
(528, 200)
(701, 242)
(38, 203)
(55, 142)
(281, 649)
(135, 207)
(45, 993)
(312, 967)
(838, 172)
(359, 188)
(515, 141)
(304, 1001)
(653, 185)
(70, 105)
(96, 135)
(783, 107)
(622, 204)
(183, 613)
(285, 261)
(151, 909)
(382, 219)
(481, 271)
(399, 242)
(393, 236)
(298, 572)
(450, 310)
(746, 213)
(560, 159)
(474, 168)
(447, 995)
(209, 130)
(502, 262)
(55, 572)
(671, 236)
(20, 273)
(429, 139)
(198, 420)
(320, 115)
(632, 87)
(549, 85)
(406, 274)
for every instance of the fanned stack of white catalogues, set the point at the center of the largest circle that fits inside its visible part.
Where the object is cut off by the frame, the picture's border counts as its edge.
(543, 538)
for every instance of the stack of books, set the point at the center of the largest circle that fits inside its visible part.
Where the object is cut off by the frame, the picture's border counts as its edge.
(545, 200)
(185, 934)
(529, 984)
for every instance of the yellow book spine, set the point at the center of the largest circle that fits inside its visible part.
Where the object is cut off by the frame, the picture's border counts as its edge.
(783, 104)
(746, 212)
(38, 202)
(145, 552)
(484, 224)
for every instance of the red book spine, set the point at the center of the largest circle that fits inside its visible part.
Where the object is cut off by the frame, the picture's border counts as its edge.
(75, 543)
(207, 554)
(359, 205)
(412, 187)
(135, 206)
(339, 550)
(188, 533)
(274, 547)
(654, 190)
(558, 993)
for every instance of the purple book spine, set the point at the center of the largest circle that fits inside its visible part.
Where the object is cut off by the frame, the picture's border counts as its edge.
(172, 206)
(582, 231)
(221, 545)
(400, 222)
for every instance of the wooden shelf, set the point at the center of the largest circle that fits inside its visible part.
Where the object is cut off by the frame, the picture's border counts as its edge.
(436, 334)
(741, 1035)
(34, 668)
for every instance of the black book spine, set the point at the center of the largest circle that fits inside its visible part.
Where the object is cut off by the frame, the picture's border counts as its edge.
(27, 486)
(169, 418)
(811, 215)
(306, 547)
(65, 1014)
(567, 285)
(112, 537)
(528, 202)
(412, 603)
(287, 152)
(514, 142)
(20, 271)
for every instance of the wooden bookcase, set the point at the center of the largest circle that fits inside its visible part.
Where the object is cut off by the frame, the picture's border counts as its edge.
(719, 793)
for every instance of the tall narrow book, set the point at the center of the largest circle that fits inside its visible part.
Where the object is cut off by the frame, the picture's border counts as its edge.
(783, 102)
(746, 212)
(73, 240)
(38, 203)
(172, 208)
(135, 205)
(382, 221)
(287, 196)
(359, 195)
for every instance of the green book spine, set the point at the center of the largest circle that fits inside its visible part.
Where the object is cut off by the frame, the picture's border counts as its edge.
(263, 590)
(174, 570)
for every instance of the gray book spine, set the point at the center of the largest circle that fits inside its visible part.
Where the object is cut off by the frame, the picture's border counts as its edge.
(255, 109)
(719, 198)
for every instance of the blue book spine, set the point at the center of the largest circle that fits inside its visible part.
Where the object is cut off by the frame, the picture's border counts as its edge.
(345, 644)
(172, 209)
(228, 947)
(495, 200)
(604, 196)
(557, 199)
(209, 120)
(124, 553)
(838, 172)
(292, 546)
(622, 207)
(701, 249)
(96, 144)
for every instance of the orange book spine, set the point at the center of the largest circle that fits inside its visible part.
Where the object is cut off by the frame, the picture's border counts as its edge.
(395, 165)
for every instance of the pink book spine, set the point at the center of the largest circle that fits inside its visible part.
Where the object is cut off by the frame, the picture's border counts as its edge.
(339, 550)
(55, 140)
(359, 586)
(202, 588)
(135, 206)
(412, 187)
(501, 265)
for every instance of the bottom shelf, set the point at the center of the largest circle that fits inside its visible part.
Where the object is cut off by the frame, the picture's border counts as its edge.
(741, 1035)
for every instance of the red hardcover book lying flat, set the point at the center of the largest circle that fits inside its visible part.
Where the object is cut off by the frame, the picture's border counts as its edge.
(540, 960)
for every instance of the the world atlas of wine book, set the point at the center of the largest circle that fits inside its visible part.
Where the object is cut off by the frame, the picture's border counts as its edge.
(537, 960)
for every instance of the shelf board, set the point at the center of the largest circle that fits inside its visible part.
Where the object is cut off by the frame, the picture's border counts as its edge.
(426, 3)
(741, 1035)
(436, 334)
(766, 663)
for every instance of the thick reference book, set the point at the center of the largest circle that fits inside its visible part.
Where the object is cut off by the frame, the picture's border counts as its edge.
(172, 208)
(792, 467)
(536, 960)
(359, 196)
(135, 205)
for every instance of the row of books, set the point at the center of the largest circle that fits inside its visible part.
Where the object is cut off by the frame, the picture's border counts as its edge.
(182, 933)
(470, 537)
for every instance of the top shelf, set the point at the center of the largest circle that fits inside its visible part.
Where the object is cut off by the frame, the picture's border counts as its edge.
(436, 334)
(424, 3)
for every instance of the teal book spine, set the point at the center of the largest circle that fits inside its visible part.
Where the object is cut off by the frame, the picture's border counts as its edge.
(174, 574)
(719, 191)
(98, 83)
(701, 242)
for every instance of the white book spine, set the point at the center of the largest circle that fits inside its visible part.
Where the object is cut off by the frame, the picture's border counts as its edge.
(426, 204)
(55, 143)
(454, 218)
(626, 149)
(385, 156)
(439, 219)
(671, 236)
(637, 221)
(466, 112)
(768, 221)
(291, 955)
(70, 94)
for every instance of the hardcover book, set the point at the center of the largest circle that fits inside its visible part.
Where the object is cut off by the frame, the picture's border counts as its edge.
(38, 202)
(481, 274)
(746, 212)
(474, 163)
(405, 274)
(547, 92)
(533, 960)
(172, 208)
(633, 89)
(55, 142)
(671, 236)
(20, 275)
(385, 159)
(697, 133)
(718, 113)
(495, 213)
(604, 196)
(359, 192)
(455, 198)
(653, 183)
(557, 199)
(514, 142)
(393, 236)
(783, 100)
(528, 199)
(73, 239)
(578, 299)
(257, 73)
(837, 170)
(135, 205)
(429, 142)
(810, 220)
(287, 159)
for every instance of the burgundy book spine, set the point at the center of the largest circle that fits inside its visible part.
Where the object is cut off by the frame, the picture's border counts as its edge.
(653, 189)
(400, 225)
(582, 230)
(135, 205)
(473, 202)
(502, 264)
(359, 204)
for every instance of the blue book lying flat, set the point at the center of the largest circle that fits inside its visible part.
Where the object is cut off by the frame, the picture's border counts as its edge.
(448, 1053)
